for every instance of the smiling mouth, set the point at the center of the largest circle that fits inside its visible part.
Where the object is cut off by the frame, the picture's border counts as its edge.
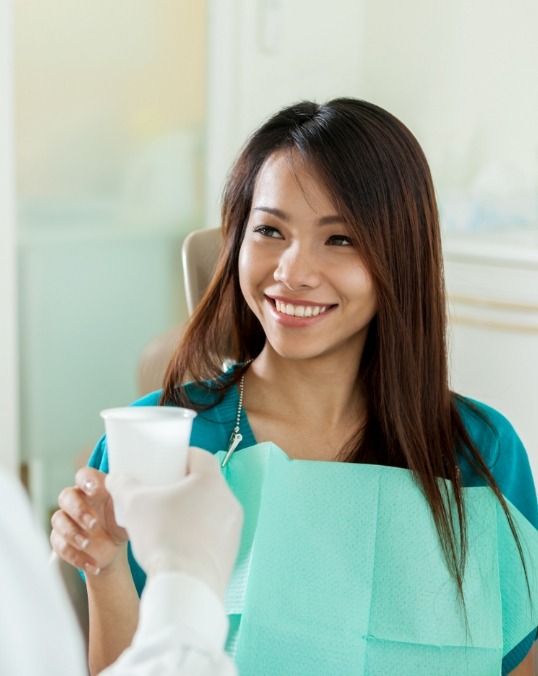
(299, 310)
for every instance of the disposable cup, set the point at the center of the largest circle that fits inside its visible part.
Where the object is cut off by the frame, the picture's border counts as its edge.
(150, 443)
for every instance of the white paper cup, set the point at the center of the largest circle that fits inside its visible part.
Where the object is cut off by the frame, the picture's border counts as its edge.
(148, 442)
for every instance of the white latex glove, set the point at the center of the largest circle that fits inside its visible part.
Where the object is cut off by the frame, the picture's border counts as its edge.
(192, 527)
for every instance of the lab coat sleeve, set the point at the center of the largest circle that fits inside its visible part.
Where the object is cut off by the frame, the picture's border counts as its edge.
(181, 632)
(38, 630)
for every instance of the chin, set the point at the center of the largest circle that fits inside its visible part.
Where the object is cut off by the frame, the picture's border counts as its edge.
(295, 352)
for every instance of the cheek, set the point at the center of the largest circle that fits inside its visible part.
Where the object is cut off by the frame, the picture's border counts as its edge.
(254, 263)
(361, 287)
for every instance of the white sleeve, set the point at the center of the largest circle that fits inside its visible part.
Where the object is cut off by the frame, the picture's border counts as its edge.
(181, 632)
(38, 629)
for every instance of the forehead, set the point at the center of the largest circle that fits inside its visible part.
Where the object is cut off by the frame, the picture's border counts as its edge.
(285, 177)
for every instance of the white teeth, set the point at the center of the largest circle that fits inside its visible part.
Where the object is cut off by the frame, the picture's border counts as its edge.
(300, 310)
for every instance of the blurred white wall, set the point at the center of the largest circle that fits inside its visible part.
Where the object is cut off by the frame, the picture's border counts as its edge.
(110, 102)
(266, 54)
(461, 75)
(9, 427)
(97, 84)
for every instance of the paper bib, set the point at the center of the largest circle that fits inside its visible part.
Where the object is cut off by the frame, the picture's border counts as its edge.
(340, 572)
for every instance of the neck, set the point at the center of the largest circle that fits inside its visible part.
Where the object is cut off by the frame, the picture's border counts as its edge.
(320, 392)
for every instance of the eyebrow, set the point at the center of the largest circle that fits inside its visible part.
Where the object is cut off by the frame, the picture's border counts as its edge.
(324, 220)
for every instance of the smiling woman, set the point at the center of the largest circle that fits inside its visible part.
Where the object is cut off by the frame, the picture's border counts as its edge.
(384, 514)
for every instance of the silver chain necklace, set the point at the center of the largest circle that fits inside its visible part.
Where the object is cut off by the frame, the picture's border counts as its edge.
(236, 437)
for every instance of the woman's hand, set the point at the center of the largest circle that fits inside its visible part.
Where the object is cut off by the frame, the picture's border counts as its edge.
(85, 532)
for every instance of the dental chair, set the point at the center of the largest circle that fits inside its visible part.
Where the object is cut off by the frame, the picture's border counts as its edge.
(199, 257)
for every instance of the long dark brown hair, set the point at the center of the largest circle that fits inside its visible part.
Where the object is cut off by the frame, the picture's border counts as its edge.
(378, 179)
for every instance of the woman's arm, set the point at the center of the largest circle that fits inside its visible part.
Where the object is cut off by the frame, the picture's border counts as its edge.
(85, 534)
(527, 667)
(113, 613)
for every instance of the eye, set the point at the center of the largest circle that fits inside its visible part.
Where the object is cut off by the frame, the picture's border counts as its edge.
(340, 240)
(267, 231)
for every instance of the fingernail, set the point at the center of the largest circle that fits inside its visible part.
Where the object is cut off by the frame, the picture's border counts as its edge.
(89, 486)
(93, 570)
(89, 521)
(81, 541)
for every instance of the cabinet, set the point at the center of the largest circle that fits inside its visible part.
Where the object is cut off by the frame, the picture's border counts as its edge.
(492, 285)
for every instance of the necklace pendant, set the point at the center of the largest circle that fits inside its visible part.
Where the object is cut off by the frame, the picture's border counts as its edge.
(235, 440)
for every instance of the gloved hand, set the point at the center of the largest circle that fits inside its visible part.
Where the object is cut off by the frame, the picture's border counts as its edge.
(193, 526)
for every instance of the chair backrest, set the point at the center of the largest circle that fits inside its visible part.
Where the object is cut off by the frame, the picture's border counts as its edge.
(199, 255)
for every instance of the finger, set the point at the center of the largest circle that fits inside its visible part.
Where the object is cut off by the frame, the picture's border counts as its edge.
(201, 462)
(75, 504)
(74, 556)
(69, 530)
(90, 481)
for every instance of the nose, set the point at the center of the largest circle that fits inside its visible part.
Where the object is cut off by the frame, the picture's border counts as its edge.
(297, 268)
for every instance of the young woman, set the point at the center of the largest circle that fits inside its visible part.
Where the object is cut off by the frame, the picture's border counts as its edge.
(329, 300)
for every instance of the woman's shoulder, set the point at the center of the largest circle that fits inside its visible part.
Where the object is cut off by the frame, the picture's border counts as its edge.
(503, 452)
(489, 429)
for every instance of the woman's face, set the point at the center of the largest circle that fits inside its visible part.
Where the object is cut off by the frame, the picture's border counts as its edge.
(299, 270)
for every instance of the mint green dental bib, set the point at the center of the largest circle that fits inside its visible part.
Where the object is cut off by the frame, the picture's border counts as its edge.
(340, 573)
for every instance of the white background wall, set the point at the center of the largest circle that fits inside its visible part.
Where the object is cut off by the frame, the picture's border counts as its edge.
(266, 54)
(8, 314)
(460, 74)
(109, 101)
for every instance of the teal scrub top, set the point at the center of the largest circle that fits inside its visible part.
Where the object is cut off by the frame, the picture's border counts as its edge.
(497, 441)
